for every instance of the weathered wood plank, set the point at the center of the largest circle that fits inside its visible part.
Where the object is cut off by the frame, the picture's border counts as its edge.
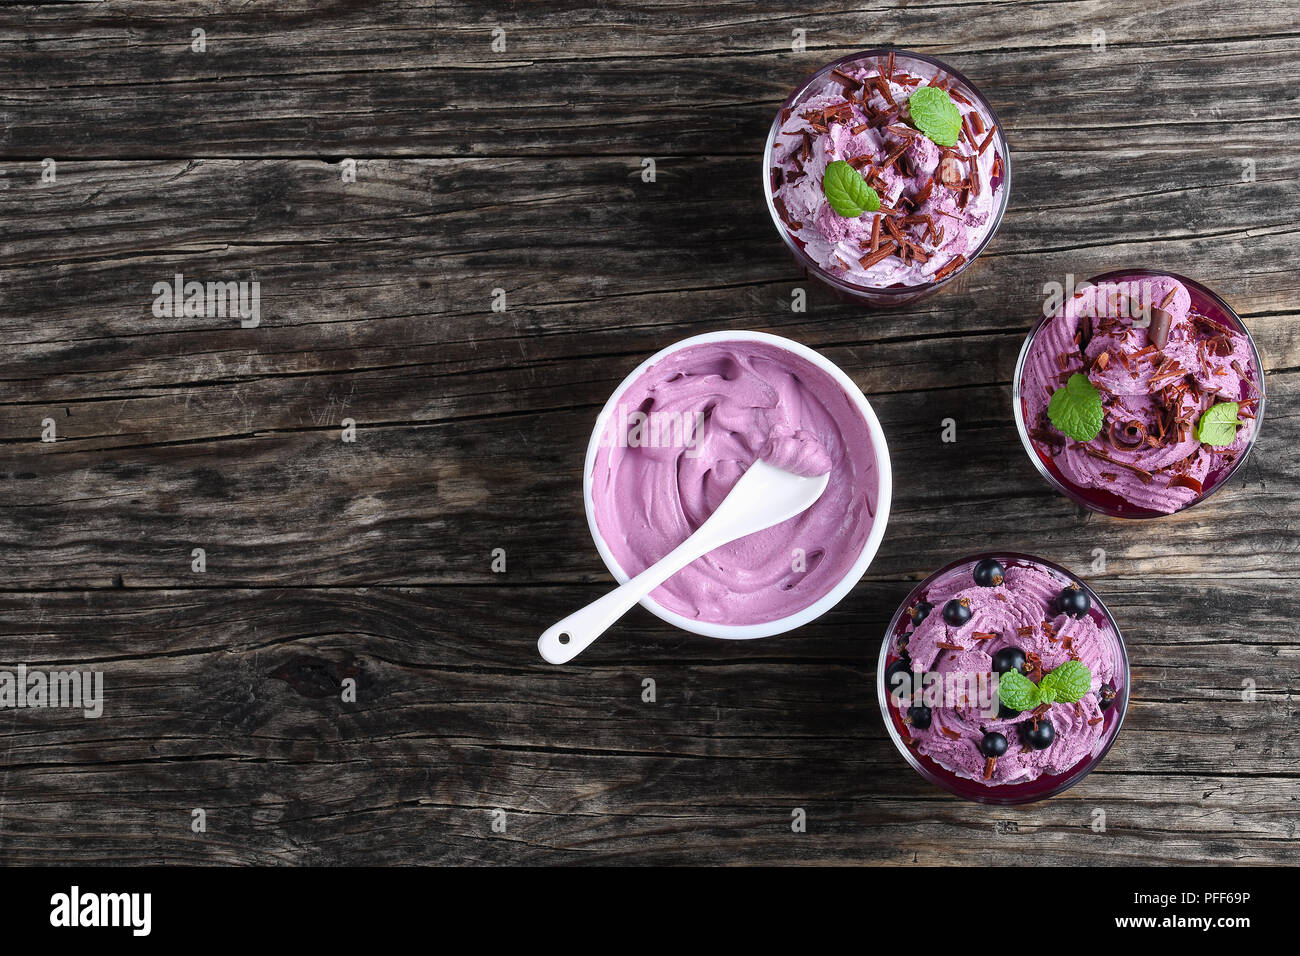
(422, 79)
(245, 680)
(420, 504)
(407, 297)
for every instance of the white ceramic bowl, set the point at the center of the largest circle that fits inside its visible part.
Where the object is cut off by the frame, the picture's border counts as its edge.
(743, 632)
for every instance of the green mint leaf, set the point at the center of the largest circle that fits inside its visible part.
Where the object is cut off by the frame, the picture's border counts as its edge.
(935, 114)
(1017, 691)
(1218, 425)
(1067, 683)
(847, 192)
(1075, 408)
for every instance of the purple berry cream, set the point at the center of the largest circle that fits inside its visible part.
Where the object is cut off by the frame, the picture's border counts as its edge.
(1139, 394)
(886, 174)
(1004, 679)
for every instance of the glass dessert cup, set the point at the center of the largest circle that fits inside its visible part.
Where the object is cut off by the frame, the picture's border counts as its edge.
(960, 574)
(860, 562)
(928, 68)
(1208, 304)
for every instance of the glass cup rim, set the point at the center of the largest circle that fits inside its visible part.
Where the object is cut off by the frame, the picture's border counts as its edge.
(852, 288)
(996, 795)
(1022, 427)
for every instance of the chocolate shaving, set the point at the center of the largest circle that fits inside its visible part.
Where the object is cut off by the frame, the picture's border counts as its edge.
(950, 734)
(882, 85)
(965, 132)
(1185, 481)
(1142, 473)
(1046, 437)
(884, 252)
(949, 268)
(894, 155)
(1236, 367)
(919, 254)
(949, 646)
(985, 636)
(989, 764)
(837, 114)
(784, 213)
(987, 139)
(848, 82)
(1158, 333)
(1034, 663)
(903, 131)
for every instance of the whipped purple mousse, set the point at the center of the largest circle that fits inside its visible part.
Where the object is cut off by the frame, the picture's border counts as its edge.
(723, 406)
(937, 203)
(1159, 364)
(1016, 620)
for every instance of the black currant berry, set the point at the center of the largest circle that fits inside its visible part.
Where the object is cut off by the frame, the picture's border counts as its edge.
(900, 666)
(920, 612)
(1105, 696)
(1040, 737)
(920, 716)
(1009, 659)
(989, 574)
(993, 744)
(957, 611)
(1074, 601)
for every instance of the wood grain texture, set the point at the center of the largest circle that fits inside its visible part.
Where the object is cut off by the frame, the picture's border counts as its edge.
(371, 560)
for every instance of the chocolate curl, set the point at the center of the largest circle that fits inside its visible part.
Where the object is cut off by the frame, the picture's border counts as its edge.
(885, 251)
(952, 266)
(849, 83)
(1126, 436)
(1158, 333)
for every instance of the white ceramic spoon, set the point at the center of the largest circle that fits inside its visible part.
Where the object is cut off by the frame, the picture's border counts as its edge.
(765, 495)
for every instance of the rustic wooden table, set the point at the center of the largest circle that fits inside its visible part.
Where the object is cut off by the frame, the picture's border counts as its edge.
(501, 147)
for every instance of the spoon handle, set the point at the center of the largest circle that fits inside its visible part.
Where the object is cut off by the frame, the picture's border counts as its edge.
(565, 640)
